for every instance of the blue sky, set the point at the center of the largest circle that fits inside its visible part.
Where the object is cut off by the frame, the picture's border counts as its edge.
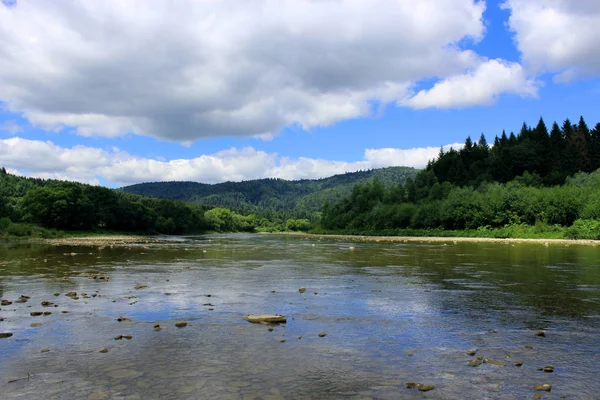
(116, 93)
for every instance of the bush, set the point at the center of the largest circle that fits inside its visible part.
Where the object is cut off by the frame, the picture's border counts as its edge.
(584, 229)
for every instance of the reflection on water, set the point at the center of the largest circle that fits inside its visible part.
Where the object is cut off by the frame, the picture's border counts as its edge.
(392, 313)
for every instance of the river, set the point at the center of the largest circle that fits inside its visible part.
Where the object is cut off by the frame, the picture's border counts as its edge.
(374, 317)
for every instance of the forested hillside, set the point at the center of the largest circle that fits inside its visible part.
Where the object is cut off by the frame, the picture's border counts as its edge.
(299, 198)
(535, 182)
(26, 204)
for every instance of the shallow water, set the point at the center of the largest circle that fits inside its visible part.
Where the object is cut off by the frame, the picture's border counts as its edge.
(392, 313)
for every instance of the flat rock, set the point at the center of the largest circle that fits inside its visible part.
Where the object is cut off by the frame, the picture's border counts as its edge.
(475, 363)
(547, 368)
(494, 362)
(543, 387)
(471, 352)
(265, 318)
(420, 386)
(181, 324)
(5, 335)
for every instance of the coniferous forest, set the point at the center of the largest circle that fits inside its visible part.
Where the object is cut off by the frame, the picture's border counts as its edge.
(534, 183)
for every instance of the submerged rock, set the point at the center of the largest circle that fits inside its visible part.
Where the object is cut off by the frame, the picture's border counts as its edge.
(545, 387)
(45, 351)
(475, 363)
(547, 368)
(420, 386)
(265, 318)
(494, 362)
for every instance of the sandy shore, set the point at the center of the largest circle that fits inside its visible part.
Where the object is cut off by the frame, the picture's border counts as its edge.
(100, 240)
(433, 239)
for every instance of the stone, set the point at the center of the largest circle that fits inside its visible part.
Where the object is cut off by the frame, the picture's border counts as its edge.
(270, 329)
(542, 387)
(268, 318)
(140, 286)
(471, 352)
(36, 324)
(518, 364)
(47, 303)
(46, 313)
(419, 386)
(104, 350)
(122, 318)
(475, 363)
(540, 333)
(410, 354)
(302, 289)
(5, 303)
(45, 351)
(322, 334)
(128, 337)
(494, 362)
(536, 396)
(157, 328)
(71, 294)
(5, 335)
(181, 324)
(36, 313)
(548, 368)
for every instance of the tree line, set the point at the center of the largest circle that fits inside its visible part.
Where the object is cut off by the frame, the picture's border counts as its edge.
(534, 179)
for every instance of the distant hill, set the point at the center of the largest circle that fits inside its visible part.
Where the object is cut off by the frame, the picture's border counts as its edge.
(271, 194)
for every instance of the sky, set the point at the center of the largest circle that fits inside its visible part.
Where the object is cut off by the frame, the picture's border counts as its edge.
(118, 92)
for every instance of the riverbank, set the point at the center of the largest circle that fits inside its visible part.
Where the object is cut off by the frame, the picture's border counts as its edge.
(438, 239)
(106, 240)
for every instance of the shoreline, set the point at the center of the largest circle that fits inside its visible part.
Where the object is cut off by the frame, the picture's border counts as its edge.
(441, 239)
(121, 240)
(108, 240)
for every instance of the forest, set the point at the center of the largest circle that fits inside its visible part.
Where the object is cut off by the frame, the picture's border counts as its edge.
(534, 183)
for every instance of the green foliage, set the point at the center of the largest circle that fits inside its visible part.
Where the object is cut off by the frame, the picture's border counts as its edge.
(297, 198)
(584, 229)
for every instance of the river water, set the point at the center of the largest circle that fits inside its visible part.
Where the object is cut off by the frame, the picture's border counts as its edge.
(392, 313)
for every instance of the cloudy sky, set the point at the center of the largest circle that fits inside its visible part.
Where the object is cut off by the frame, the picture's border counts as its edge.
(116, 92)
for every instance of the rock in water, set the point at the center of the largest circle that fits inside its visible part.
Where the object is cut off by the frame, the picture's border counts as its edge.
(543, 387)
(475, 363)
(420, 386)
(265, 318)
(471, 352)
(5, 335)
(180, 324)
(302, 289)
(494, 362)
(540, 333)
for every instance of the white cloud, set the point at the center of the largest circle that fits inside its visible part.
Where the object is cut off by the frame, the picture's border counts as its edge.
(88, 164)
(480, 86)
(192, 69)
(557, 36)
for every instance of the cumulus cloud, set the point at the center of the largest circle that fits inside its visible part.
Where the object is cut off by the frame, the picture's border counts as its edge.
(90, 165)
(557, 36)
(480, 86)
(192, 69)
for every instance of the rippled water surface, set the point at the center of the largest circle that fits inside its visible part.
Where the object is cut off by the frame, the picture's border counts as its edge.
(392, 313)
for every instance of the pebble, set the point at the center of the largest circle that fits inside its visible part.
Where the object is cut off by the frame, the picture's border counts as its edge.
(157, 327)
(302, 289)
(543, 387)
(494, 362)
(181, 324)
(518, 364)
(471, 352)
(104, 350)
(540, 333)
(322, 334)
(47, 303)
(36, 313)
(420, 386)
(548, 368)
